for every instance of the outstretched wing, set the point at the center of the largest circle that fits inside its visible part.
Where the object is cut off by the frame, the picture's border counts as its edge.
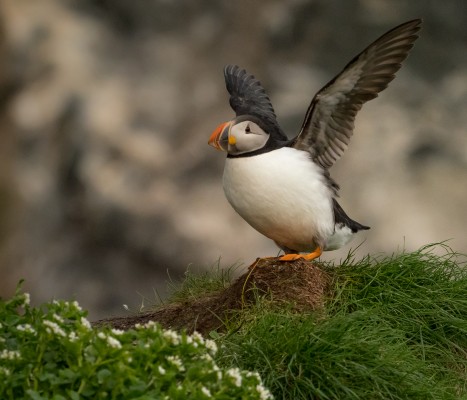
(329, 121)
(248, 97)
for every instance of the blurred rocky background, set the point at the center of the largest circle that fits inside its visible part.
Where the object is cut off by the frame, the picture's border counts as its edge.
(107, 185)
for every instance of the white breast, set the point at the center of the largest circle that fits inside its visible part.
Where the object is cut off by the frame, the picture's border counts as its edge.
(283, 195)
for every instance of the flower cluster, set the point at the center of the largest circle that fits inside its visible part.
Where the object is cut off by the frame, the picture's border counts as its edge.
(55, 350)
(9, 354)
(177, 362)
(172, 336)
(236, 376)
(26, 328)
(111, 341)
(54, 328)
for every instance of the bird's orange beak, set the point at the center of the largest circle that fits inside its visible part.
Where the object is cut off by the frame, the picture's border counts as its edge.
(220, 137)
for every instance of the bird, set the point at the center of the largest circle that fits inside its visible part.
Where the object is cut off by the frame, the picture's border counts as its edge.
(282, 187)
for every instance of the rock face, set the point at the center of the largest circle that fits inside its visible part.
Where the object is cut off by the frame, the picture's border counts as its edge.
(106, 180)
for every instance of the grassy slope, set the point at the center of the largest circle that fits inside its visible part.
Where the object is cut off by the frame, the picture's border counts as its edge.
(393, 328)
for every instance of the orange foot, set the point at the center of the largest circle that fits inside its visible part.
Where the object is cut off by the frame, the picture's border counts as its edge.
(309, 256)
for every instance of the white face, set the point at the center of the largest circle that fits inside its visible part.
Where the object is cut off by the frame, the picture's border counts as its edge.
(245, 137)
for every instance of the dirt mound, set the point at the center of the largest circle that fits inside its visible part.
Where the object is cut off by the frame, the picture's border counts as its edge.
(299, 283)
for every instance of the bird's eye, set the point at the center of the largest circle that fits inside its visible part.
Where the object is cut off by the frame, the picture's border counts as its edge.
(247, 129)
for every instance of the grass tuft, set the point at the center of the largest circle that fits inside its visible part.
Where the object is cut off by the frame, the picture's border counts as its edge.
(195, 285)
(393, 328)
(419, 293)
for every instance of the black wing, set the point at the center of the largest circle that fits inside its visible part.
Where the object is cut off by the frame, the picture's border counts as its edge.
(248, 97)
(329, 121)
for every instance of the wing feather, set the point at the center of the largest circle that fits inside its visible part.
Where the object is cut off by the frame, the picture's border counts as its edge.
(248, 97)
(329, 121)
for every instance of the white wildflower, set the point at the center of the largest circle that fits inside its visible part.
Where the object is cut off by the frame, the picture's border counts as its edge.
(175, 360)
(161, 370)
(26, 328)
(76, 306)
(117, 332)
(206, 391)
(234, 373)
(150, 324)
(211, 346)
(4, 371)
(115, 343)
(138, 326)
(198, 337)
(10, 354)
(218, 371)
(111, 341)
(206, 357)
(264, 394)
(57, 318)
(52, 327)
(128, 357)
(125, 306)
(72, 337)
(26, 299)
(85, 323)
(172, 336)
(255, 374)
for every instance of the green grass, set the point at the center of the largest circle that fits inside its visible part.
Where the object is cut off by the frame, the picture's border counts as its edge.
(393, 328)
(201, 284)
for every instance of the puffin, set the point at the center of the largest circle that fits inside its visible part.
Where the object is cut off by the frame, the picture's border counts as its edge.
(281, 186)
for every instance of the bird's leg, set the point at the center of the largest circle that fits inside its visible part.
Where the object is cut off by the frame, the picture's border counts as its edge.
(309, 256)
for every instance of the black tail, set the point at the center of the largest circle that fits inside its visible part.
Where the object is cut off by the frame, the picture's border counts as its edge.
(340, 217)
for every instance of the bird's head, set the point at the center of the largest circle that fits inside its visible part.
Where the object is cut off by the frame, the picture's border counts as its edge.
(239, 136)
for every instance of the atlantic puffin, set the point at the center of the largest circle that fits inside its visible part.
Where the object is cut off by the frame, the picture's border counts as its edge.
(281, 186)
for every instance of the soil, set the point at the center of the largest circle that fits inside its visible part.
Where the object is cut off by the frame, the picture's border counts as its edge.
(300, 284)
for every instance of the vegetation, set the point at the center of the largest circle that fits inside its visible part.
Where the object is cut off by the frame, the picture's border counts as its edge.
(202, 283)
(391, 328)
(53, 353)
